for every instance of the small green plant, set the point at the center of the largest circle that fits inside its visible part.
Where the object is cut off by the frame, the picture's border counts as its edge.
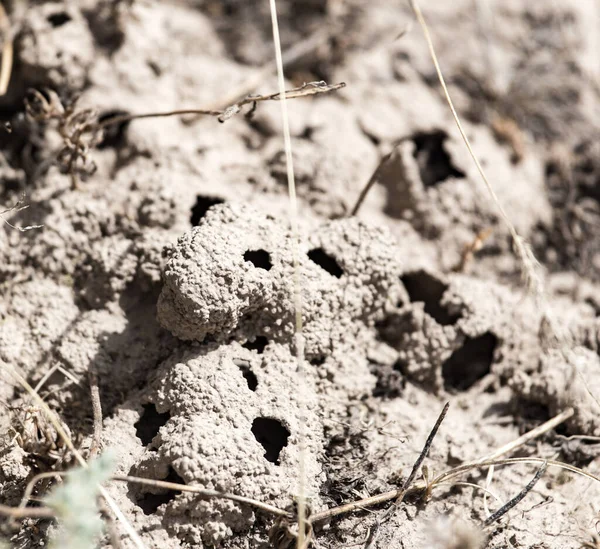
(75, 503)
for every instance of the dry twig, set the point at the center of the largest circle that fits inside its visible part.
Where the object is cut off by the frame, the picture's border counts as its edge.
(530, 435)
(398, 495)
(81, 130)
(7, 51)
(18, 207)
(202, 492)
(69, 443)
(96, 411)
(522, 249)
(27, 512)
(518, 498)
(471, 248)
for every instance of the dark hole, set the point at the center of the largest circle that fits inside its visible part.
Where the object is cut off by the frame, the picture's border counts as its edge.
(114, 134)
(425, 288)
(469, 363)
(149, 503)
(259, 258)
(390, 379)
(250, 378)
(258, 345)
(325, 261)
(203, 203)
(272, 435)
(150, 423)
(248, 374)
(59, 19)
(435, 164)
(317, 360)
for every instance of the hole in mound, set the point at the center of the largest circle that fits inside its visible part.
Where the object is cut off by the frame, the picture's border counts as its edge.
(326, 261)
(202, 205)
(59, 19)
(149, 503)
(435, 164)
(272, 435)
(425, 288)
(258, 345)
(318, 360)
(114, 135)
(248, 374)
(390, 379)
(469, 363)
(147, 427)
(259, 258)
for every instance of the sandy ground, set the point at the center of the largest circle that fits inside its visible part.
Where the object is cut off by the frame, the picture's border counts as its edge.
(165, 265)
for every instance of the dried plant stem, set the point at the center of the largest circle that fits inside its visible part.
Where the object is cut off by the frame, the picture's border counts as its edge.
(297, 51)
(202, 492)
(69, 444)
(162, 484)
(398, 495)
(96, 411)
(31, 485)
(361, 504)
(528, 261)
(457, 471)
(310, 88)
(424, 453)
(302, 542)
(368, 187)
(529, 436)
(518, 498)
(121, 118)
(27, 512)
(18, 207)
(7, 52)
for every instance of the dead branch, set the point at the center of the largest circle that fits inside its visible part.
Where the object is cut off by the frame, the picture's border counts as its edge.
(96, 411)
(466, 257)
(372, 180)
(18, 207)
(310, 88)
(202, 492)
(7, 51)
(27, 512)
(518, 498)
(398, 495)
(81, 130)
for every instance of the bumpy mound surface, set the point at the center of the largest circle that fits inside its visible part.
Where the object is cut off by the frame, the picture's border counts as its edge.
(234, 274)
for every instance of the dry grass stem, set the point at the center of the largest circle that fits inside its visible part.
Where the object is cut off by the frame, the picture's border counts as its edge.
(293, 54)
(297, 284)
(523, 251)
(7, 51)
(425, 452)
(17, 513)
(18, 207)
(471, 248)
(81, 130)
(530, 435)
(518, 498)
(307, 89)
(96, 411)
(372, 180)
(11, 371)
(202, 492)
(398, 495)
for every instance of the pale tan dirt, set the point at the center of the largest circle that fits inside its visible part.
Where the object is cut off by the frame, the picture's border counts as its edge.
(169, 270)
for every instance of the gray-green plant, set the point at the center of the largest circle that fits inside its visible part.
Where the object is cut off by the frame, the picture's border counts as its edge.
(75, 503)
